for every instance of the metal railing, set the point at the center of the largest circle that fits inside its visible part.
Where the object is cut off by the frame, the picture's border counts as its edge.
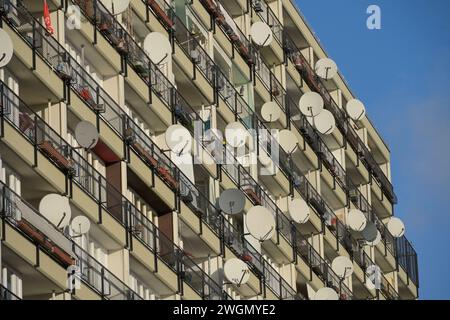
(6, 294)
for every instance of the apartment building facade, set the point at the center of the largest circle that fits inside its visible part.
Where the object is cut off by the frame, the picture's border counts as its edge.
(123, 218)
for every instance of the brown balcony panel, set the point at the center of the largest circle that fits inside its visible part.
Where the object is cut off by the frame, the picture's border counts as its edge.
(160, 12)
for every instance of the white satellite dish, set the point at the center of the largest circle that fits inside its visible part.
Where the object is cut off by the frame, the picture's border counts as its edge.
(56, 209)
(270, 111)
(355, 109)
(236, 271)
(80, 225)
(236, 134)
(369, 233)
(326, 294)
(356, 220)
(376, 241)
(178, 139)
(287, 140)
(396, 227)
(6, 48)
(342, 266)
(115, 6)
(299, 210)
(311, 104)
(324, 122)
(261, 34)
(260, 223)
(158, 47)
(232, 201)
(86, 134)
(265, 160)
(326, 68)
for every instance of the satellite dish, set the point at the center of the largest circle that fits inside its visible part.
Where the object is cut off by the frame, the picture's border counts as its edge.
(369, 233)
(261, 34)
(115, 6)
(342, 266)
(356, 220)
(6, 48)
(232, 201)
(80, 225)
(265, 160)
(86, 134)
(299, 210)
(236, 271)
(396, 227)
(236, 134)
(158, 47)
(355, 109)
(376, 241)
(56, 209)
(178, 139)
(287, 140)
(326, 68)
(311, 104)
(270, 111)
(324, 122)
(260, 223)
(326, 294)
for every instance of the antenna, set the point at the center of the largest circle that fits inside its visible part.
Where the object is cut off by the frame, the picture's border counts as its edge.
(6, 49)
(261, 34)
(369, 233)
(356, 220)
(288, 141)
(80, 225)
(342, 266)
(324, 122)
(158, 47)
(178, 139)
(86, 134)
(299, 211)
(377, 240)
(260, 223)
(326, 68)
(56, 209)
(311, 104)
(326, 294)
(232, 201)
(236, 271)
(270, 111)
(396, 227)
(355, 109)
(236, 134)
(115, 7)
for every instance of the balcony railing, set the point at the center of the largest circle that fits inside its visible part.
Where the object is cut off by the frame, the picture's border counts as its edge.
(6, 294)
(94, 184)
(407, 258)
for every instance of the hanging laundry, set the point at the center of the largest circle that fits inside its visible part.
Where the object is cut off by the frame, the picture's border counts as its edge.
(47, 19)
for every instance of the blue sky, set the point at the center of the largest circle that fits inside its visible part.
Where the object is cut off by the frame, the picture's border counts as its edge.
(402, 73)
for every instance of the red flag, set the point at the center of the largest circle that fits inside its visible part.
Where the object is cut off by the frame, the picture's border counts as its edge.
(47, 20)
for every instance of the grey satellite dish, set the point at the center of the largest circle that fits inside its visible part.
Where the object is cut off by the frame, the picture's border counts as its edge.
(158, 47)
(299, 210)
(311, 104)
(236, 271)
(178, 139)
(260, 223)
(342, 266)
(6, 48)
(326, 294)
(355, 109)
(288, 141)
(261, 34)
(232, 201)
(324, 122)
(370, 232)
(396, 227)
(236, 134)
(377, 240)
(86, 134)
(356, 220)
(270, 111)
(326, 68)
(56, 209)
(116, 6)
(80, 225)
